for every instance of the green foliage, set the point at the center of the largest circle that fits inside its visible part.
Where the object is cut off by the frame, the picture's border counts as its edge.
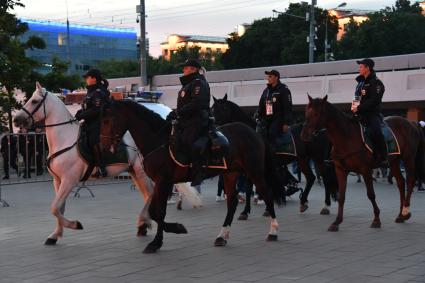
(279, 41)
(392, 31)
(15, 67)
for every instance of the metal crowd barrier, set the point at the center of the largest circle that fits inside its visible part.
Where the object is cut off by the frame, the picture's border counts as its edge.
(23, 161)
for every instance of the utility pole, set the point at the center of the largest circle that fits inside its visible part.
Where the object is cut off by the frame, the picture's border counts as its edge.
(141, 9)
(68, 38)
(312, 32)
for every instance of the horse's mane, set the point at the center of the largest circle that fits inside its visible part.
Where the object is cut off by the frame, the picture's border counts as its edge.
(236, 109)
(154, 120)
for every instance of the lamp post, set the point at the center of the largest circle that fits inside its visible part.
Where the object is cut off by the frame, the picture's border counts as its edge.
(343, 4)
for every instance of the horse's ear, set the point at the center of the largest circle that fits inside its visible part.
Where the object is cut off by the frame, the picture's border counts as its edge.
(325, 98)
(38, 85)
(215, 99)
(225, 97)
(310, 99)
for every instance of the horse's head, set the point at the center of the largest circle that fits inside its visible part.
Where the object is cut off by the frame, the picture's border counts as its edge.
(34, 110)
(221, 110)
(314, 117)
(112, 129)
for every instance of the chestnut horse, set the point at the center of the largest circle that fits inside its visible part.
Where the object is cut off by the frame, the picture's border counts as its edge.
(351, 155)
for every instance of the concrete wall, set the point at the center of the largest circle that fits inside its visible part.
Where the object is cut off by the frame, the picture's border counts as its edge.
(403, 77)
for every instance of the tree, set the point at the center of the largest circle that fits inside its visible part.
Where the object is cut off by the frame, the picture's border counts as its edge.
(278, 41)
(392, 31)
(15, 67)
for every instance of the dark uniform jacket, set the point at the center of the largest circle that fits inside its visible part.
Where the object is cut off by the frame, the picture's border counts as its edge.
(97, 97)
(371, 90)
(281, 100)
(194, 97)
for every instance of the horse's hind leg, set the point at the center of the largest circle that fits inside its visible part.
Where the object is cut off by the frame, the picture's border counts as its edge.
(144, 185)
(396, 172)
(410, 175)
(368, 179)
(247, 210)
(230, 180)
(342, 186)
(304, 166)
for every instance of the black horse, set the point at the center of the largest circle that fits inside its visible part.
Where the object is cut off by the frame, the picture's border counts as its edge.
(318, 150)
(247, 154)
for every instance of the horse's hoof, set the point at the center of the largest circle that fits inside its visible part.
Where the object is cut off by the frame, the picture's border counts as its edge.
(399, 219)
(50, 242)
(152, 247)
(333, 228)
(375, 224)
(220, 242)
(303, 207)
(407, 216)
(271, 238)
(243, 216)
(142, 230)
(179, 205)
(78, 225)
(325, 211)
(180, 229)
(266, 214)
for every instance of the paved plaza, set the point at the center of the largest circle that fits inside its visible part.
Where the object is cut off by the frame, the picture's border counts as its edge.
(107, 250)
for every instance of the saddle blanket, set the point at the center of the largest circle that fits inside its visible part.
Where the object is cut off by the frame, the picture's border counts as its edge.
(390, 139)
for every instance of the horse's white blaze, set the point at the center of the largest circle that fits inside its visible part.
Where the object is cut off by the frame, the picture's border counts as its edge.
(405, 211)
(224, 233)
(274, 226)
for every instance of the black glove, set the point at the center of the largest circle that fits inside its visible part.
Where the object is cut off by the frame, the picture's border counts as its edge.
(79, 115)
(172, 116)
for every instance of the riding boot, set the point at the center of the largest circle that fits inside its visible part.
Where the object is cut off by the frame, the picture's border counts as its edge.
(197, 173)
(101, 172)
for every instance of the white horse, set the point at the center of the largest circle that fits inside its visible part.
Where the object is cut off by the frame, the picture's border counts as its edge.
(68, 168)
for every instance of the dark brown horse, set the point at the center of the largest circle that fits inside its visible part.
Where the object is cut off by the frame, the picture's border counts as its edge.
(351, 155)
(317, 150)
(247, 154)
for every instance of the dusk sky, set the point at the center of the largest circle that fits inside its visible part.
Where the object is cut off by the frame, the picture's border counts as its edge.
(200, 17)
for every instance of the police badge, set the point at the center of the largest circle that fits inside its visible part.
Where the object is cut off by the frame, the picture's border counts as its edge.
(182, 93)
(363, 92)
(274, 99)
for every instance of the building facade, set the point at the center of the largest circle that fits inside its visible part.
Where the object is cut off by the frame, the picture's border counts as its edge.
(207, 44)
(85, 46)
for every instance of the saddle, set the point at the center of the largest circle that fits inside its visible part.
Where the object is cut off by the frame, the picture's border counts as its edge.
(390, 139)
(108, 158)
(213, 146)
(282, 145)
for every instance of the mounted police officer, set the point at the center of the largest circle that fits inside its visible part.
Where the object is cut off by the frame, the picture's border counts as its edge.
(97, 97)
(192, 113)
(370, 91)
(275, 108)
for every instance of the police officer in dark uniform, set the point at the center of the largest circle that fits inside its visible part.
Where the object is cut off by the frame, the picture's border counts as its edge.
(370, 90)
(97, 97)
(192, 115)
(275, 108)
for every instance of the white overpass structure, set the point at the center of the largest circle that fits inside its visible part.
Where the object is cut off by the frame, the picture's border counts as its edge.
(403, 77)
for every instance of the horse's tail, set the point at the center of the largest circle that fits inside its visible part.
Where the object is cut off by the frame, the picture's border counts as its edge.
(420, 156)
(273, 178)
(190, 194)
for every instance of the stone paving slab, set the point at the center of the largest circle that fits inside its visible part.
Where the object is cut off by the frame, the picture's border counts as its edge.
(107, 250)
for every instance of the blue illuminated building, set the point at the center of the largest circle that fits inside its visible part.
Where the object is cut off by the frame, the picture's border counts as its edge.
(87, 45)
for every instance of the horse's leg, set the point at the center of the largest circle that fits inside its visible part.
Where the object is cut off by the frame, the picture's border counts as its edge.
(368, 180)
(321, 168)
(230, 180)
(342, 186)
(410, 175)
(262, 189)
(304, 166)
(396, 172)
(58, 232)
(144, 184)
(247, 210)
(157, 210)
(58, 203)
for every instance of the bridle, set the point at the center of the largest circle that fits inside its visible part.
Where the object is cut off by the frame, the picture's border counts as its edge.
(43, 103)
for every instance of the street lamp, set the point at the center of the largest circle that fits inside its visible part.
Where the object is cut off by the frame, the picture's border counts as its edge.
(343, 4)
